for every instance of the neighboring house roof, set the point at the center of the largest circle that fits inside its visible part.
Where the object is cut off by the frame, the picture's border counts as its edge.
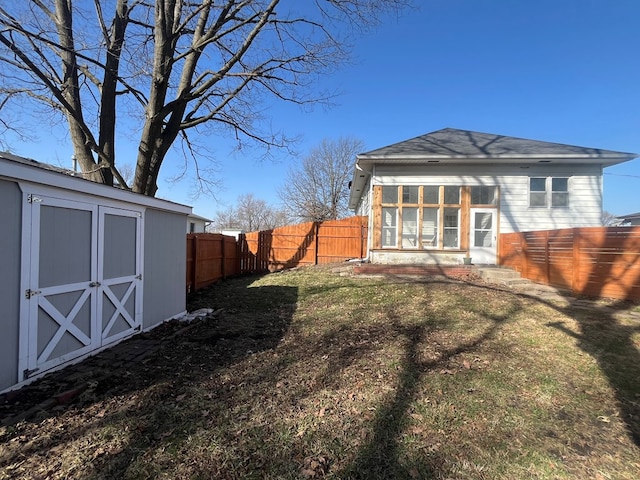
(453, 146)
(193, 216)
(630, 217)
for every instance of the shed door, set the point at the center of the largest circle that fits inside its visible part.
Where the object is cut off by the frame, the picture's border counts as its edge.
(83, 288)
(119, 274)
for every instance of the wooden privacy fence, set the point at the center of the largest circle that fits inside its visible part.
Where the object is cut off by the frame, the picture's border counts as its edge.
(212, 256)
(308, 243)
(599, 261)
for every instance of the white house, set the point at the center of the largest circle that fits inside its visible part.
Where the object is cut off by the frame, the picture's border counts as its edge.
(197, 224)
(444, 196)
(629, 220)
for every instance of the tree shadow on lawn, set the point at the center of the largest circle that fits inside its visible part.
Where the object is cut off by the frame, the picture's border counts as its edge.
(611, 344)
(151, 402)
(380, 457)
(146, 404)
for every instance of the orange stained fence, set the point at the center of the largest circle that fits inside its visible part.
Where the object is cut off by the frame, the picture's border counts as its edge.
(598, 261)
(308, 243)
(212, 256)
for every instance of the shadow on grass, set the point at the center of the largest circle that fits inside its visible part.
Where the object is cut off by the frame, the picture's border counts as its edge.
(156, 404)
(145, 405)
(380, 457)
(611, 344)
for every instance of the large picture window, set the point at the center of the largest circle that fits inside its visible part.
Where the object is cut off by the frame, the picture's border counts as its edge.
(426, 216)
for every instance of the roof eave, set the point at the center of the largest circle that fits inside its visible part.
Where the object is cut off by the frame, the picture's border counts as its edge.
(603, 159)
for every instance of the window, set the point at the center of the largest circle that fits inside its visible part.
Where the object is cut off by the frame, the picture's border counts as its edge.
(451, 195)
(430, 227)
(451, 228)
(431, 195)
(389, 194)
(559, 192)
(549, 191)
(410, 227)
(430, 216)
(483, 195)
(537, 192)
(410, 194)
(389, 226)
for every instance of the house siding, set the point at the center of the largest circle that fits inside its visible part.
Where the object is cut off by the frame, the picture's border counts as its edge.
(585, 204)
(10, 252)
(165, 251)
(364, 205)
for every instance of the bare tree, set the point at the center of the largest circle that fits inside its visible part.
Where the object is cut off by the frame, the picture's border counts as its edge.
(226, 219)
(610, 220)
(318, 188)
(168, 69)
(251, 214)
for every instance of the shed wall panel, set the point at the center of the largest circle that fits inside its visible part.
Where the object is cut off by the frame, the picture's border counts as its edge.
(10, 251)
(164, 267)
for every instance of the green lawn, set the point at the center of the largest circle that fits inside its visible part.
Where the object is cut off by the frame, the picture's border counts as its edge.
(311, 375)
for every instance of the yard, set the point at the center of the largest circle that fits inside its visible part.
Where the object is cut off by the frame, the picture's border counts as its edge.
(307, 374)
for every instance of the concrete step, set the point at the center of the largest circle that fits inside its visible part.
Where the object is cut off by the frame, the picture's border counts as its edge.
(502, 276)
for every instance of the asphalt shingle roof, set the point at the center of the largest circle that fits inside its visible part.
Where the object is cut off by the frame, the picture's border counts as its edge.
(454, 143)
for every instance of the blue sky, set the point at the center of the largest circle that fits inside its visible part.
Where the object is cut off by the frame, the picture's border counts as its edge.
(563, 71)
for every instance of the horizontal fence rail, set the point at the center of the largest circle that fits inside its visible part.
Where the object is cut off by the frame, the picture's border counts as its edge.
(598, 261)
(212, 256)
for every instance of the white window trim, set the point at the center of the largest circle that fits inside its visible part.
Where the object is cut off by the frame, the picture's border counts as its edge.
(548, 192)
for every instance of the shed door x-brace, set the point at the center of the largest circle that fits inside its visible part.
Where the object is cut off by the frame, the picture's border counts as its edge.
(82, 280)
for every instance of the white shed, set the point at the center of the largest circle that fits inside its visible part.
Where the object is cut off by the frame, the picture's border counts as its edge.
(83, 266)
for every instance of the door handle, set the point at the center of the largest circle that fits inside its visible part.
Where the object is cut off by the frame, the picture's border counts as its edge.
(94, 284)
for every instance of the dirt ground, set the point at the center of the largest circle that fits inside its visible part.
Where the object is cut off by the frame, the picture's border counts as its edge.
(140, 361)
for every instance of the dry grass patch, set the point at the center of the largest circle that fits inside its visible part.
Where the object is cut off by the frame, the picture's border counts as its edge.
(311, 375)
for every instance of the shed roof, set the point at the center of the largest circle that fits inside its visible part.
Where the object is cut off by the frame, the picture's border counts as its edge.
(28, 170)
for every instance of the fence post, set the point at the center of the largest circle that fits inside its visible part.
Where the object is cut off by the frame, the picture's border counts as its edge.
(547, 260)
(577, 249)
(195, 263)
(223, 268)
(317, 231)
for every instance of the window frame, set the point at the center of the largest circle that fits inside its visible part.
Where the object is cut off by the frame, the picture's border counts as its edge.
(548, 193)
(406, 201)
